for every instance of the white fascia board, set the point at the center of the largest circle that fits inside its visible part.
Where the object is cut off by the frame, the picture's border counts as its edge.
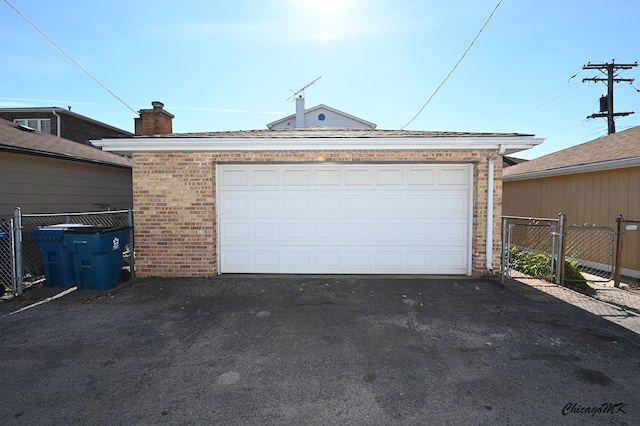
(168, 144)
(583, 168)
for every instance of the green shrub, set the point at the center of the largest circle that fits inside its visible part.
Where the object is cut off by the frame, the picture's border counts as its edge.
(541, 266)
(534, 264)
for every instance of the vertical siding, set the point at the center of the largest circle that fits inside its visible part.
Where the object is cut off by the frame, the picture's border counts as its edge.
(46, 185)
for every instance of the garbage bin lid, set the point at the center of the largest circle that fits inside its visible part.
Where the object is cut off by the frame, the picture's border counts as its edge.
(95, 229)
(61, 226)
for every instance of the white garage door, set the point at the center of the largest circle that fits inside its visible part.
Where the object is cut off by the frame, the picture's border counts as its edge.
(336, 218)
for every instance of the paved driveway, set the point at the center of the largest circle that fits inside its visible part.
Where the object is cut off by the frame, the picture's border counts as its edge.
(360, 350)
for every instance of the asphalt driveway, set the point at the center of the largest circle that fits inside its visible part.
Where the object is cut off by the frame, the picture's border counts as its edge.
(357, 350)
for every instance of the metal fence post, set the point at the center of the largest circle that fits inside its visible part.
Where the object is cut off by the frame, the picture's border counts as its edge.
(503, 252)
(560, 254)
(132, 257)
(618, 254)
(17, 241)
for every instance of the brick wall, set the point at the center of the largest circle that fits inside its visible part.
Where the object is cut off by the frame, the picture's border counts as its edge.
(174, 203)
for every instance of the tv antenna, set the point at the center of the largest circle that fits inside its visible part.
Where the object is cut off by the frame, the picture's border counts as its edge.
(302, 90)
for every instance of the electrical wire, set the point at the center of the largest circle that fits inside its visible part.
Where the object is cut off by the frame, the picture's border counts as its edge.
(454, 67)
(69, 57)
(515, 114)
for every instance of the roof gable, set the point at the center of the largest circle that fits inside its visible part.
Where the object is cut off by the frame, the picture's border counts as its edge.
(31, 142)
(611, 151)
(323, 116)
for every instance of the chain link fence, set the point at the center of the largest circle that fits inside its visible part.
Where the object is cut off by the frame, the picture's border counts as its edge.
(21, 264)
(529, 247)
(7, 270)
(591, 250)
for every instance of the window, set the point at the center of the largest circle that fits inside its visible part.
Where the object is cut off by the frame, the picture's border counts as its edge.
(42, 124)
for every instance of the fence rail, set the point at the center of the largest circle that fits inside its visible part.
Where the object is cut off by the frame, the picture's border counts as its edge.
(21, 261)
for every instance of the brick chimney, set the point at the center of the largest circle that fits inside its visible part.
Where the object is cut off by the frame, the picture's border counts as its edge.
(155, 121)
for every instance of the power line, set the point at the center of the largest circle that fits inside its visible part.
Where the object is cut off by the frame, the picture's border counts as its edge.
(68, 56)
(455, 66)
(514, 115)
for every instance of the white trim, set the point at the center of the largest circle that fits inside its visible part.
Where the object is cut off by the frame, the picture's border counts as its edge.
(490, 201)
(582, 168)
(216, 168)
(470, 223)
(212, 144)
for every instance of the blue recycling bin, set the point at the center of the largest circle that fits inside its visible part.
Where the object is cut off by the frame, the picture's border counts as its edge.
(97, 255)
(56, 259)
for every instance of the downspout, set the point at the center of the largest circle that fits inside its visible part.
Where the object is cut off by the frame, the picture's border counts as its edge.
(58, 121)
(489, 248)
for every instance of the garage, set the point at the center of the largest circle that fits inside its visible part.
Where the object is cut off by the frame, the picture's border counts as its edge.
(363, 218)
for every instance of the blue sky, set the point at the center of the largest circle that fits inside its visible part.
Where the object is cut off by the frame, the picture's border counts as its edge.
(231, 65)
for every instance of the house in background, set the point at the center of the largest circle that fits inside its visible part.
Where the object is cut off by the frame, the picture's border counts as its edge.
(591, 183)
(42, 173)
(317, 200)
(62, 122)
(319, 116)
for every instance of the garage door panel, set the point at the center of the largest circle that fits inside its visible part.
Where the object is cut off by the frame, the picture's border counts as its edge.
(236, 232)
(421, 204)
(453, 176)
(389, 204)
(327, 232)
(296, 232)
(450, 259)
(358, 176)
(453, 204)
(296, 177)
(344, 218)
(265, 258)
(265, 204)
(235, 204)
(265, 177)
(234, 177)
(328, 177)
(327, 204)
(390, 176)
(453, 234)
(358, 204)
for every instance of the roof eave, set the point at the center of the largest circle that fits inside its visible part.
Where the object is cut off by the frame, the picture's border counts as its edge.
(127, 146)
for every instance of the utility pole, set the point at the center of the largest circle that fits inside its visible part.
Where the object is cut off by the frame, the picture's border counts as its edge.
(606, 102)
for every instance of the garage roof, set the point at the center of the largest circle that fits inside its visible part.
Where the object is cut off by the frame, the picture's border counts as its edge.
(320, 138)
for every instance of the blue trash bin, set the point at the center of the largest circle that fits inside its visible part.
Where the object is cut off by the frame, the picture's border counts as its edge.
(97, 255)
(56, 259)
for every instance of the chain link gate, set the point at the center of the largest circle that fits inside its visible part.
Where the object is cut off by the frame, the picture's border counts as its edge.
(628, 251)
(529, 247)
(532, 248)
